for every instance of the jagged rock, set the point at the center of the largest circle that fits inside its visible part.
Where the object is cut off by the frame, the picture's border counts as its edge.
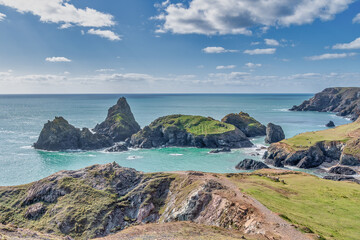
(246, 124)
(274, 133)
(189, 131)
(342, 170)
(225, 149)
(330, 124)
(349, 160)
(344, 101)
(342, 178)
(250, 164)
(119, 123)
(59, 135)
(118, 147)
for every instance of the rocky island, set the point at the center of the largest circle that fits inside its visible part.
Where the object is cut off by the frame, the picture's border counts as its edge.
(247, 124)
(345, 101)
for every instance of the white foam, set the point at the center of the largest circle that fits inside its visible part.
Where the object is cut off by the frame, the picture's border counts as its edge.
(134, 157)
(175, 154)
(26, 147)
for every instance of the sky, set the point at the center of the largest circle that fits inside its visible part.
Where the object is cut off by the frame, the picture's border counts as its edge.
(178, 46)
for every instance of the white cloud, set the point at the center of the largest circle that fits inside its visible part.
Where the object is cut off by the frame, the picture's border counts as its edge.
(255, 43)
(260, 51)
(217, 50)
(225, 67)
(330, 56)
(105, 34)
(237, 16)
(62, 12)
(271, 42)
(356, 19)
(2, 16)
(57, 59)
(352, 45)
(105, 70)
(253, 65)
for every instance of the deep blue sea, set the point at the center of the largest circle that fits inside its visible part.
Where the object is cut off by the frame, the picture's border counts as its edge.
(23, 116)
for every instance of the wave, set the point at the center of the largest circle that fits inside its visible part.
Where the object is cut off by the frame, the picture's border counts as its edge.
(281, 110)
(176, 154)
(134, 157)
(27, 147)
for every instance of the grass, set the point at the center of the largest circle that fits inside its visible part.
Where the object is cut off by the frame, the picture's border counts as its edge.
(329, 209)
(196, 125)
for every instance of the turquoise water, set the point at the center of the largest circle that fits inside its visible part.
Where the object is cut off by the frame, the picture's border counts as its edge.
(22, 118)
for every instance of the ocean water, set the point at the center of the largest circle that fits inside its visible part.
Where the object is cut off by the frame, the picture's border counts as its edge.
(23, 116)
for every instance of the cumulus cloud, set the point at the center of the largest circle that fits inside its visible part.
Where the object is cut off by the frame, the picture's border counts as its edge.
(237, 16)
(105, 34)
(356, 19)
(330, 56)
(252, 65)
(260, 51)
(61, 12)
(105, 70)
(2, 16)
(57, 59)
(271, 42)
(225, 67)
(217, 50)
(352, 45)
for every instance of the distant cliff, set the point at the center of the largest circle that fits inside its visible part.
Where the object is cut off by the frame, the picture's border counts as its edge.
(345, 101)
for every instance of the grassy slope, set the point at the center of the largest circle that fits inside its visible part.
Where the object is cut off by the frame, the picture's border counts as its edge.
(342, 133)
(329, 209)
(196, 125)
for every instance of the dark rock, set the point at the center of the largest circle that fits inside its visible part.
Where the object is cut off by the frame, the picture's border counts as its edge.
(342, 178)
(34, 211)
(330, 124)
(118, 147)
(120, 123)
(59, 135)
(349, 160)
(225, 149)
(342, 170)
(274, 133)
(249, 164)
(246, 124)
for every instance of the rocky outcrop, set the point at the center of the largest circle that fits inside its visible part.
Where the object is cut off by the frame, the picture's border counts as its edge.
(246, 124)
(342, 178)
(58, 135)
(119, 123)
(225, 149)
(250, 164)
(342, 170)
(118, 147)
(189, 131)
(274, 133)
(345, 101)
(330, 124)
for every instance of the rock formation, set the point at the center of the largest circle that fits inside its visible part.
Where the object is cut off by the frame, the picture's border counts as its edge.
(274, 133)
(246, 124)
(225, 149)
(345, 101)
(330, 124)
(119, 123)
(250, 164)
(189, 131)
(342, 170)
(58, 135)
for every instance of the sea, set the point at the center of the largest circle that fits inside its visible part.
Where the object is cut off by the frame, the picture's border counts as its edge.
(23, 116)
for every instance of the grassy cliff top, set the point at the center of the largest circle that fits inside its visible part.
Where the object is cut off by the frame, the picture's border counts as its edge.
(342, 133)
(196, 125)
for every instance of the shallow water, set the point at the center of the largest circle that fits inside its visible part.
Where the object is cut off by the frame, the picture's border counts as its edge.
(22, 118)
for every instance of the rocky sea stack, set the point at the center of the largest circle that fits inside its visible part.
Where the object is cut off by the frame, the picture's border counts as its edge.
(59, 135)
(274, 133)
(189, 131)
(246, 124)
(345, 101)
(250, 164)
(120, 123)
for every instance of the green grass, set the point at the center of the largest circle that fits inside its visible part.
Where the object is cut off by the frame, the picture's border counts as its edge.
(196, 125)
(327, 208)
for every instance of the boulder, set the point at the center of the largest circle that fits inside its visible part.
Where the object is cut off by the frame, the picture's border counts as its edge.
(119, 123)
(274, 133)
(118, 147)
(349, 160)
(246, 124)
(330, 124)
(342, 170)
(250, 164)
(225, 149)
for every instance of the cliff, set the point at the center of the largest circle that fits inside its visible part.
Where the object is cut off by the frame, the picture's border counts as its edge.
(345, 101)
(247, 124)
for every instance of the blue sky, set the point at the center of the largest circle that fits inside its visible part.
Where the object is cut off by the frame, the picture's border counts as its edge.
(194, 46)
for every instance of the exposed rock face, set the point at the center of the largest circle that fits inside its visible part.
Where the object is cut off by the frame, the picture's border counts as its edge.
(118, 147)
(344, 101)
(342, 178)
(119, 123)
(250, 164)
(330, 124)
(225, 149)
(342, 170)
(189, 131)
(274, 133)
(59, 135)
(349, 160)
(246, 124)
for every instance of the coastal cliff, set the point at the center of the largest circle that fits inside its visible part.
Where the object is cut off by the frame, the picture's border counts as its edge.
(345, 101)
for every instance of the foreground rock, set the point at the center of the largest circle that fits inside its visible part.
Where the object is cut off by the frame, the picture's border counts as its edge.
(225, 149)
(58, 135)
(246, 124)
(189, 131)
(345, 101)
(120, 123)
(342, 178)
(274, 133)
(250, 164)
(330, 124)
(342, 170)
